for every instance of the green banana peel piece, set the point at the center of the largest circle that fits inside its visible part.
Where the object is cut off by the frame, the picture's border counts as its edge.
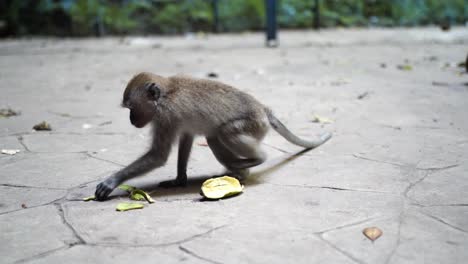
(126, 187)
(136, 194)
(140, 195)
(90, 198)
(128, 206)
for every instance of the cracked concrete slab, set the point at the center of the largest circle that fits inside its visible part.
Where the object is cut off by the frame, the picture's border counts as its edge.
(49, 170)
(31, 232)
(15, 198)
(396, 160)
(425, 240)
(118, 254)
(442, 187)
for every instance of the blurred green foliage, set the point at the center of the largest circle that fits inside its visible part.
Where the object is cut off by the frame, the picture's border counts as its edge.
(89, 17)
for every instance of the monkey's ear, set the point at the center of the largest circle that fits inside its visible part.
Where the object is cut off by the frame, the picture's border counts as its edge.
(153, 90)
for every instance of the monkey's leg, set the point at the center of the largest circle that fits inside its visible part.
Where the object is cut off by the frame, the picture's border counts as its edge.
(185, 146)
(237, 166)
(154, 158)
(244, 146)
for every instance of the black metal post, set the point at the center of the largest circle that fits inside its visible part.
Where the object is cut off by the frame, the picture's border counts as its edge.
(316, 11)
(271, 25)
(214, 5)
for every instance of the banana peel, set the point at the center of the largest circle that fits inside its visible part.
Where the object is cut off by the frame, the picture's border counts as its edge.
(136, 194)
(128, 206)
(221, 187)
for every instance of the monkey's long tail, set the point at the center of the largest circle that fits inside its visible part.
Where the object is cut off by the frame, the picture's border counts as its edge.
(289, 136)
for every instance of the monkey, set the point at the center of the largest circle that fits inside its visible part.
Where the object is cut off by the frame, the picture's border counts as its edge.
(180, 107)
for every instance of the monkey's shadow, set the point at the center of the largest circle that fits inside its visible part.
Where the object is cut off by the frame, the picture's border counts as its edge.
(194, 183)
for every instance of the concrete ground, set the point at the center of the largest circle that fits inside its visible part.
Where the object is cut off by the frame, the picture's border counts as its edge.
(397, 160)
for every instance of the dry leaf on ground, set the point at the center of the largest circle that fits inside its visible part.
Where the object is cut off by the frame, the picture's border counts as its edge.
(372, 233)
(43, 126)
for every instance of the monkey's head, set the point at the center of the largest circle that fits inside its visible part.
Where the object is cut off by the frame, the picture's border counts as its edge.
(141, 97)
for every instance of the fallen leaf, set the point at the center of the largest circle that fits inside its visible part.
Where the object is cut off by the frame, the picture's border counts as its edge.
(43, 126)
(320, 119)
(405, 67)
(10, 151)
(129, 206)
(90, 198)
(221, 187)
(372, 233)
(7, 112)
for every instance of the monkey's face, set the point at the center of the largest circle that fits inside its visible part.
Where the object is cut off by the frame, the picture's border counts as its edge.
(142, 114)
(141, 102)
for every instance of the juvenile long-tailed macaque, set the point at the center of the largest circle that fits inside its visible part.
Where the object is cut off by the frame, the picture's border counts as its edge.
(233, 122)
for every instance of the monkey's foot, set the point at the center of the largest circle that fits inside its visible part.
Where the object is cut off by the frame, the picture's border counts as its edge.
(173, 183)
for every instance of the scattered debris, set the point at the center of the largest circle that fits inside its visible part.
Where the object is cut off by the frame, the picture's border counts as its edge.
(383, 65)
(87, 126)
(405, 67)
(322, 120)
(136, 194)
(90, 198)
(372, 233)
(156, 46)
(363, 95)
(43, 126)
(24, 206)
(8, 112)
(121, 207)
(431, 58)
(105, 123)
(440, 83)
(221, 187)
(212, 75)
(88, 87)
(10, 151)
(339, 82)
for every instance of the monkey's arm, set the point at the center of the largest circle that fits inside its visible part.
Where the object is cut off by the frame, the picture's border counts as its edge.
(185, 146)
(154, 158)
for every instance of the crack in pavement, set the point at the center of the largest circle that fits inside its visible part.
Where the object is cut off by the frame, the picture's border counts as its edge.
(327, 187)
(43, 254)
(62, 214)
(347, 225)
(32, 187)
(21, 141)
(191, 253)
(351, 257)
(178, 242)
(443, 222)
(101, 159)
(35, 206)
(407, 165)
(397, 243)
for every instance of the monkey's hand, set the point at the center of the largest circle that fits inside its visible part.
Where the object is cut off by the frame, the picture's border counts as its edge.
(178, 182)
(105, 188)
